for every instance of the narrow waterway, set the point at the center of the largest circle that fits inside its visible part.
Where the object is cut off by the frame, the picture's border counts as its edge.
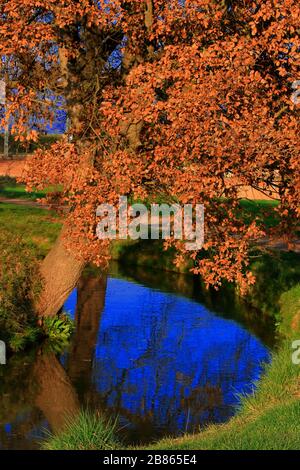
(153, 349)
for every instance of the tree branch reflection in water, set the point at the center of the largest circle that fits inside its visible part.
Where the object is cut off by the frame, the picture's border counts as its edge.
(162, 362)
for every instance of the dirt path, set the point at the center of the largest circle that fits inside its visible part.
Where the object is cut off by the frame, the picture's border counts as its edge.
(24, 202)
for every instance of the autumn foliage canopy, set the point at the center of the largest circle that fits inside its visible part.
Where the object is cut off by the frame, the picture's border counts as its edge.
(173, 100)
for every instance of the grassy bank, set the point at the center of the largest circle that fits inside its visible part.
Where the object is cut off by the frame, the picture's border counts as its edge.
(37, 227)
(26, 236)
(10, 189)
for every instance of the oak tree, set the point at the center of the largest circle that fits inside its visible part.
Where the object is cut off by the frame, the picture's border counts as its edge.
(186, 100)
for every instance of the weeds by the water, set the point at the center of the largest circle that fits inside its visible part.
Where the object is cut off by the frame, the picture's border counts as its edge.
(19, 287)
(87, 431)
(58, 331)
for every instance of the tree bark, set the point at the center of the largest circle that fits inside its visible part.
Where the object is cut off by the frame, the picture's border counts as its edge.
(60, 272)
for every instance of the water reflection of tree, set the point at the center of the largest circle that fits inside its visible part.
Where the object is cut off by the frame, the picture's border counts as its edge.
(56, 396)
(226, 301)
(204, 400)
(51, 392)
(34, 396)
(61, 391)
(17, 393)
(36, 391)
(90, 303)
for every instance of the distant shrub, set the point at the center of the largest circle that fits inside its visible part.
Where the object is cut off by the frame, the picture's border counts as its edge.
(7, 181)
(16, 147)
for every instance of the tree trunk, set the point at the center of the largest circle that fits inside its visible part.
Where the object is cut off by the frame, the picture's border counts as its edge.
(60, 272)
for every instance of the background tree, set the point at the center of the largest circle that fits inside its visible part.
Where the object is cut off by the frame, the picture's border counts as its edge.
(183, 99)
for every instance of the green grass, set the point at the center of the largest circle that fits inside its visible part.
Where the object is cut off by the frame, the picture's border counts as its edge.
(19, 283)
(19, 192)
(256, 206)
(38, 228)
(263, 211)
(26, 235)
(290, 304)
(87, 431)
(10, 189)
(278, 428)
(276, 273)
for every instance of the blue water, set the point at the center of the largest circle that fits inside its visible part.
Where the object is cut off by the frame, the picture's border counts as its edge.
(156, 358)
(166, 364)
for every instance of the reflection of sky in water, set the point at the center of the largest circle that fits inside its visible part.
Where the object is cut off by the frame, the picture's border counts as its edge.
(167, 359)
(163, 363)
